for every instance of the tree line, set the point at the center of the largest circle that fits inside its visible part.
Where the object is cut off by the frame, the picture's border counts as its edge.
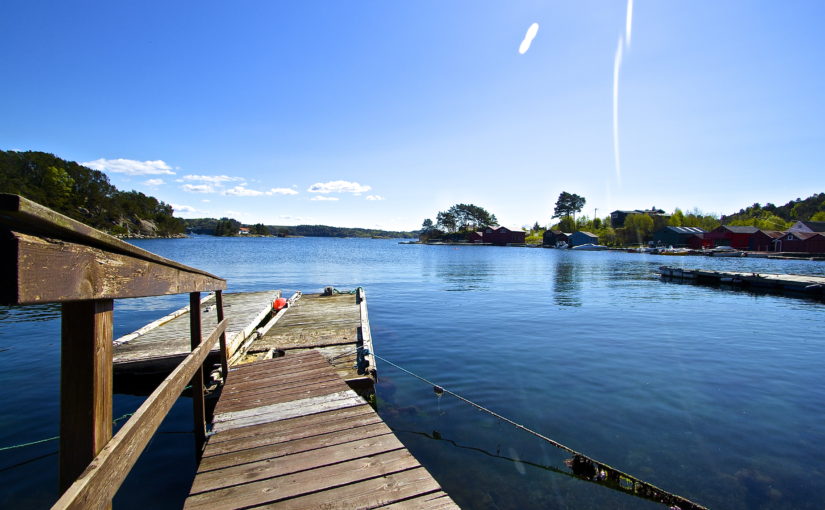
(85, 195)
(231, 227)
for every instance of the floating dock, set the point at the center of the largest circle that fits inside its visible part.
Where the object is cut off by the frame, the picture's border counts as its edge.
(789, 284)
(154, 350)
(289, 433)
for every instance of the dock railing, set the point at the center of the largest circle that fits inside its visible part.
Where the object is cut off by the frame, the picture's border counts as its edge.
(46, 257)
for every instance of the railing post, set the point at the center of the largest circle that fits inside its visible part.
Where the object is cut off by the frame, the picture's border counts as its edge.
(85, 385)
(224, 352)
(198, 404)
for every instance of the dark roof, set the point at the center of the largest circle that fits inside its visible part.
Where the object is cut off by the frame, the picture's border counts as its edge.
(588, 234)
(815, 226)
(740, 230)
(685, 230)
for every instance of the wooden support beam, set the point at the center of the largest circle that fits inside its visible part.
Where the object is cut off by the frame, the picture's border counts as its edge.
(85, 385)
(100, 481)
(198, 403)
(223, 347)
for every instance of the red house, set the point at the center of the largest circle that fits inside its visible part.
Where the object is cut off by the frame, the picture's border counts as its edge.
(475, 237)
(502, 236)
(763, 240)
(729, 235)
(801, 242)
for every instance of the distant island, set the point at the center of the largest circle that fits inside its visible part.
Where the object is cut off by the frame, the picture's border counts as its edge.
(231, 227)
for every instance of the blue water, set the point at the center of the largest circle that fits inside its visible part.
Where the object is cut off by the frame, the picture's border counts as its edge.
(713, 394)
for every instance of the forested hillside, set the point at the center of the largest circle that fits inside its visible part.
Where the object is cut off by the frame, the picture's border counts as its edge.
(85, 195)
(773, 217)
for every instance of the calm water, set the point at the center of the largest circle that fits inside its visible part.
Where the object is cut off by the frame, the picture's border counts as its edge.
(713, 394)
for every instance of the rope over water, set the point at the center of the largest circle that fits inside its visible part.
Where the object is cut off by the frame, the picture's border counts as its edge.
(46, 440)
(580, 463)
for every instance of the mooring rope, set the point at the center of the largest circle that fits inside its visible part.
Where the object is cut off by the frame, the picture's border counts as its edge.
(639, 486)
(46, 440)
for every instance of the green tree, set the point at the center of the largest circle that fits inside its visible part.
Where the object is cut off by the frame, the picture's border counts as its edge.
(677, 219)
(446, 221)
(820, 216)
(57, 185)
(566, 224)
(637, 228)
(568, 204)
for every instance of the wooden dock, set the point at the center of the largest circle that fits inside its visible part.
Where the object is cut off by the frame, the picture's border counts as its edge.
(289, 433)
(789, 284)
(336, 325)
(156, 349)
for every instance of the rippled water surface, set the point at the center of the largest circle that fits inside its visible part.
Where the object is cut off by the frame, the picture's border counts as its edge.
(714, 394)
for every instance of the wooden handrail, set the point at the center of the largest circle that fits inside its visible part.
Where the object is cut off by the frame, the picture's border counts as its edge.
(100, 481)
(46, 257)
(22, 215)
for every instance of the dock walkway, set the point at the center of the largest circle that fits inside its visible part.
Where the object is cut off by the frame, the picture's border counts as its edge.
(790, 284)
(289, 433)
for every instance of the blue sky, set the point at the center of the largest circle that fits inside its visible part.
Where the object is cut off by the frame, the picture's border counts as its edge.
(380, 114)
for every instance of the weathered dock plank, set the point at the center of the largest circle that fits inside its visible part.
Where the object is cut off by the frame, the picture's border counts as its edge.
(289, 450)
(335, 325)
(158, 349)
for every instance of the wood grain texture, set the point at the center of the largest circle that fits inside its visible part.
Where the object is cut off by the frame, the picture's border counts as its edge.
(101, 479)
(55, 271)
(22, 215)
(85, 385)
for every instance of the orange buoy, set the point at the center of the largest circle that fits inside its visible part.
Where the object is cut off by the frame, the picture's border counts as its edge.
(279, 304)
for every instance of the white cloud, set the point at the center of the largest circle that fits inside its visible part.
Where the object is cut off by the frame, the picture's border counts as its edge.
(528, 38)
(212, 179)
(243, 191)
(375, 197)
(154, 182)
(198, 188)
(282, 191)
(240, 191)
(205, 200)
(338, 187)
(322, 197)
(180, 208)
(130, 166)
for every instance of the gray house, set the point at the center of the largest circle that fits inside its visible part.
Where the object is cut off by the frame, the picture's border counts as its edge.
(679, 237)
(582, 237)
(808, 226)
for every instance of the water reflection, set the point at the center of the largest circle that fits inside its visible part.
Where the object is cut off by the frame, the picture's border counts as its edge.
(567, 289)
(464, 277)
